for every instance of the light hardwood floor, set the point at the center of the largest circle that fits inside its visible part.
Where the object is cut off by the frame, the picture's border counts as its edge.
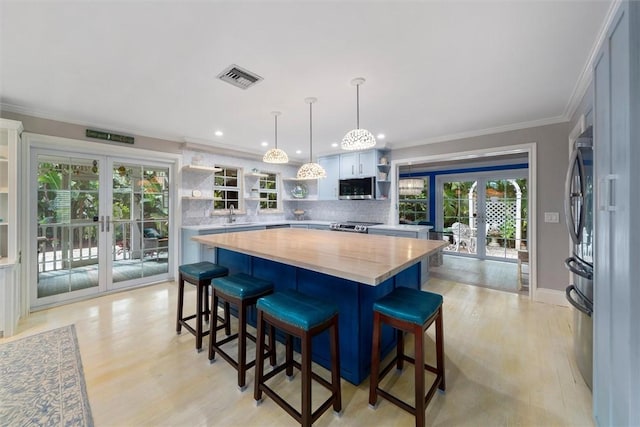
(508, 362)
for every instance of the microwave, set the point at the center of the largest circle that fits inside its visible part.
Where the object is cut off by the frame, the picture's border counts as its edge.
(358, 188)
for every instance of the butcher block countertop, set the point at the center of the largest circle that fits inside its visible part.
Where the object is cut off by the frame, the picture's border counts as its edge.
(364, 258)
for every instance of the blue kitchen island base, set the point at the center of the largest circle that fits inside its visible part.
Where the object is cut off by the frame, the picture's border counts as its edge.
(355, 301)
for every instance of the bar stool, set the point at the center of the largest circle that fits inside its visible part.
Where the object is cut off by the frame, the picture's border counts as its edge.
(413, 311)
(200, 275)
(304, 317)
(241, 290)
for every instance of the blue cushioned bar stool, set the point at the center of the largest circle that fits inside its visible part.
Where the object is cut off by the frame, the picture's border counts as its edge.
(304, 317)
(200, 275)
(413, 311)
(241, 290)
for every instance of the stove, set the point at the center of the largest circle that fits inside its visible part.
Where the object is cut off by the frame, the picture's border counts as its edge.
(352, 226)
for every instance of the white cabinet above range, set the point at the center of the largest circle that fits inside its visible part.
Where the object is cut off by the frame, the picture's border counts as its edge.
(358, 164)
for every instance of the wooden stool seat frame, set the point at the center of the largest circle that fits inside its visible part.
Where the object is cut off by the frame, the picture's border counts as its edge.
(241, 365)
(306, 417)
(202, 310)
(418, 331)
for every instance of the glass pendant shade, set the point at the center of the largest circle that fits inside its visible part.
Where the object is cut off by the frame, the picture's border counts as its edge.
(410, 186)
(311, 170)
(275, 155)
(358, 139)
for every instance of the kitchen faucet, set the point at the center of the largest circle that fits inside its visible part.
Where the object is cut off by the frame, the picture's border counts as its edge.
(232, 214)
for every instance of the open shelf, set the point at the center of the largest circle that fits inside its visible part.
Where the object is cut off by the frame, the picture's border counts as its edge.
(194, 168)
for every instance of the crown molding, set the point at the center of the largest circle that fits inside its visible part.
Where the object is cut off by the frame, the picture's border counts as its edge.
(586, 76)
(480, 132)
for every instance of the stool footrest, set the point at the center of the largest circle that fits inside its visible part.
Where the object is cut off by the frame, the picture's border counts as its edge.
(293, 411)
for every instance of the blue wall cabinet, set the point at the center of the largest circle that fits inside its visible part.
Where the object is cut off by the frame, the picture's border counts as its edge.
(358, 164)
(328, 187)
(616, 379)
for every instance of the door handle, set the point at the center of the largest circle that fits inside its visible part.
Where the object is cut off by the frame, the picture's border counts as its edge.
(102, 224)
(360, 168)
(353, 169)
(108, 222)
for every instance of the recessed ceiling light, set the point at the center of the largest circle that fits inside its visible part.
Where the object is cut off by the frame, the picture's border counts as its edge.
(380, 136)
(298, 151)
(218, 133)
(264, 143)
(335, 144)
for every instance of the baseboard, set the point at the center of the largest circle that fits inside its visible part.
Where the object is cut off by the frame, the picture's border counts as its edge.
(550, 296)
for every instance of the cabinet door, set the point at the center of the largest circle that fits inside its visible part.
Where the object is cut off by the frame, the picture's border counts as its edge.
(616, 346)
(358, 164)
(348, 165)
(328, 187)
(367, 163)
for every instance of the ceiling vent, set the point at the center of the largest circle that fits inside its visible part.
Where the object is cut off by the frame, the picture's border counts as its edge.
(239, 77)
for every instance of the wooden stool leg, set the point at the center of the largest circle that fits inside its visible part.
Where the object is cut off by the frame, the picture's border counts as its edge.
(419, 376)
(440, 348)
(257, 391)
(242, 346)
(180, 303)
(205, 301)
(375, 360)
(399, 349)
(305, 349)
(213, 328)
(289, 356)
(272, 345)
(200, 287)
(227, 318)
(335, 366)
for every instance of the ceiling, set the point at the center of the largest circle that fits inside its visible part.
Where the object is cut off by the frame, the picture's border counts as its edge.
(434, 70)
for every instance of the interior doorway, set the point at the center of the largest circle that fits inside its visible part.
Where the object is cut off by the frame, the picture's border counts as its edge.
(493, 161)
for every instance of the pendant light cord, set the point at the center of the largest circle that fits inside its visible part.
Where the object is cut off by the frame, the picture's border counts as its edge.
(310, 132)
(357, 106)
(276, 137)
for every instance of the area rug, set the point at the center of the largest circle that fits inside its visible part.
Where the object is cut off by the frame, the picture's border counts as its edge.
(42, 382)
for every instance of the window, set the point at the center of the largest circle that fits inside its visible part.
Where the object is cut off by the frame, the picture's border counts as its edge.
(269, 191)
(413, 208)
(226, 189)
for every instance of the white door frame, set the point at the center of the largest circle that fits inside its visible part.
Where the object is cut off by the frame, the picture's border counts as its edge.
(528, 148)
(45, 142)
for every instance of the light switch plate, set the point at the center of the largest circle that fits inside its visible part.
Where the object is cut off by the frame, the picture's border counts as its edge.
(553, 217)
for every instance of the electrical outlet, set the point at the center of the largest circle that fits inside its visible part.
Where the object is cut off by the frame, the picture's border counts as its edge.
(553, 217)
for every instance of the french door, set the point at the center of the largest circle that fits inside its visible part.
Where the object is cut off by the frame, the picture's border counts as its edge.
(102, 224)
(485, 213)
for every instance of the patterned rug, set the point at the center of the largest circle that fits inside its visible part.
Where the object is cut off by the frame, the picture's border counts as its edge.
(42, 382)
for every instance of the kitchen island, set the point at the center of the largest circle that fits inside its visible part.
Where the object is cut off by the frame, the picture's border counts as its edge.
(353, 270)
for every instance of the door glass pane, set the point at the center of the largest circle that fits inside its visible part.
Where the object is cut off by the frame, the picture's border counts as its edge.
(459, 225)
(140, 244)
(505, 213)
(68, 233)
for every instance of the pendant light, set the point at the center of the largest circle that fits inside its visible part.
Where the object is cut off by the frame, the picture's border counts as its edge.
(311, 170)
(358, 139)
(275, 155)
(410, 186)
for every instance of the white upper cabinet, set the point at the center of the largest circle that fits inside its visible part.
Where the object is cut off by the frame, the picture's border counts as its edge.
(358, 164)
(328, 187)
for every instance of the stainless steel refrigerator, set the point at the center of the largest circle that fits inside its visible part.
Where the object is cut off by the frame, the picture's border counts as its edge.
(579, 219)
